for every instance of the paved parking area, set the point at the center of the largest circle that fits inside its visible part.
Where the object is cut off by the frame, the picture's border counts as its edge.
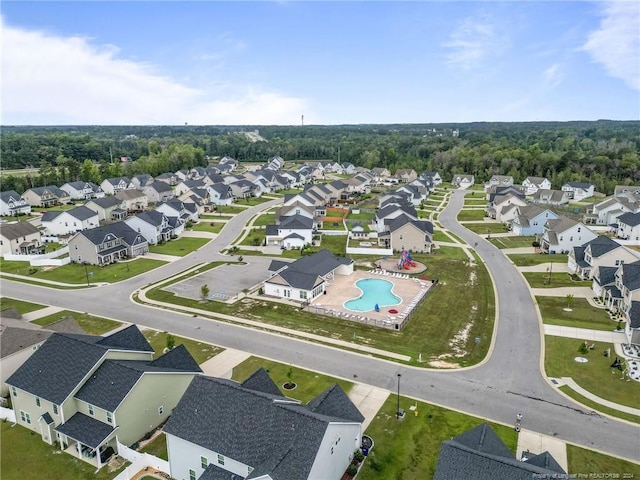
(226, 280)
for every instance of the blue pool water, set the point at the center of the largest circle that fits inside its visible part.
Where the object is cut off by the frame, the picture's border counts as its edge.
(374, 290)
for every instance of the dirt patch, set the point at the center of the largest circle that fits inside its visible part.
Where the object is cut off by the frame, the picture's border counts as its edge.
(443, 364)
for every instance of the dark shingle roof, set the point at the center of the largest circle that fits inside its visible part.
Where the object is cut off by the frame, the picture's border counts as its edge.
(319, 263)
(601, 245)
(631, 275)
(160, 187)
(607, 275)
(301, 280)
(296, 222)
(10, 195)
(422, 225)
(12, 231)
(581, 185)
(334, 402)
(276, 265)
(15, 339)
(634, 315)
(105, 202)
(260, 381)
(178, 358)
(129, 338)
(86, 430)
(47, 418)
(631, 219)
(214, 472)
(82, 212)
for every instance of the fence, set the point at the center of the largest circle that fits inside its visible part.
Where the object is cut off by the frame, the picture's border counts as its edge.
(7, 414)
(44, 256)
(369, 251)
(139, 461)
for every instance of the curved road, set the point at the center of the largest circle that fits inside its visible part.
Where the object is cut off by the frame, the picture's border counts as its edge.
(510, 381)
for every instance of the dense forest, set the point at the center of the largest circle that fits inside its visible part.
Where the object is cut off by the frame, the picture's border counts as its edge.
(605, 153)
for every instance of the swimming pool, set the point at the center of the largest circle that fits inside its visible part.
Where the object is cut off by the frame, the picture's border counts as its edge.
(374, 291)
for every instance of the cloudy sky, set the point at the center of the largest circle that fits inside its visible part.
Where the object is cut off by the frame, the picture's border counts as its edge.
(335, 62)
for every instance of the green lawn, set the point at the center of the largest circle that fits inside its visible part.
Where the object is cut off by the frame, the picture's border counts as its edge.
(440, 236)
(253, 201)
(582, 314)
(90, 324)
(200, 351)
(309, 383)
(51, 247)
(513, 242)
(21, 306)
(366, 216)
(434, 324)
(339, 225)
(590, 404)
(23, 455)
(212, 227)
(230, 208)
(482, 228)
(75, 274)
(598, 465)
(157, 447)
(595, 375)
(465, 215)
(409, 448)
(454, 253)
(179, 247)
(264, 219)
(558, 279)
(529, 259)
(255, 237)
(474, 202)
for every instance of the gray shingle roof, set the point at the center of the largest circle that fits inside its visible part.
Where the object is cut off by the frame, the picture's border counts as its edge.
(422, 225)
(601, 245)
(47, 418)
(631, 275)
(607, 275)
(631, 219)
(260, 381)
(296, 222)
(12, 231)
(319, 263)
(105, 202)
(15, 339)
(86, 430)
(10, 195)
(334, 402)
(129, 338)
(634, 315)
(82, 212)
(301, 280)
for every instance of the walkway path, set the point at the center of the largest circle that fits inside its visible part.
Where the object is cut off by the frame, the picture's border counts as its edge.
(43, 312)
(586, 334)
(568, 381)
(369, 400)
(162, 256)
(535, 443)
(577, 292)
(545, 267)
(223, 363)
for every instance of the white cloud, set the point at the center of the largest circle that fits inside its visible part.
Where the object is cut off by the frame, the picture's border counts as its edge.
(553, 76)
(470, 43)
(49, 79)
(616, 43)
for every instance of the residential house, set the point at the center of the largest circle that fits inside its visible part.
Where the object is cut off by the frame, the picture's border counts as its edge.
(479, 454)
(155, 226)
(462, 180)
(46, 196)
(385, 215)
(530, 220)
(578, 190)
(69, 221)
(406, 175)
(601, 251)
(413, 235)
(182, 175)
(550, 197)
(111, 186)
(629, 227)
(197, 173)
(533, 184)
(82, 190)
(348, 168)
(604, 283)
(608, 210)
(504, 207)
(220, 194)
(21, 238)
(89, 393)
(170, 179)
(625, 297)
(415, 195)
(198, 197)
(107, 208)
(107, 244)
(562, 234)
(158, 192)
(306, 278)
(243, 189)
(294, 231)
(13, 204)
(380, 174)
(435, 177)
(183, 210)
(223, 429)
(499, 181)
(141, 181)
(133, 200)
(186, 185)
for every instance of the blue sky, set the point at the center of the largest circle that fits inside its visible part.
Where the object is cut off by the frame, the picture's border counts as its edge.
(334, 62)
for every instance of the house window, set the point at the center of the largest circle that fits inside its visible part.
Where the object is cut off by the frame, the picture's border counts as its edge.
(204, 463)
(192, 474)
(109, 417)
(160, 410)
(220, 459)
(55, 409)
(578, 229)
(303, 294)
(26, 418)
(37, 402)
(90, 409)
(14, 392)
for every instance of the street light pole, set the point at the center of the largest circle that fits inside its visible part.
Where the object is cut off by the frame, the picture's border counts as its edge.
(398, 409)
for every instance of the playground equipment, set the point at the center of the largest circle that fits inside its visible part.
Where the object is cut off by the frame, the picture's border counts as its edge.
(405, 261)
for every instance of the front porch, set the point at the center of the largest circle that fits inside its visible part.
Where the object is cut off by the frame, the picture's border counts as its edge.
(87, 439)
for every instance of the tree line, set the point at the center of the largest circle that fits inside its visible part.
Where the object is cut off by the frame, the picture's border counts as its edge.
(605, 153)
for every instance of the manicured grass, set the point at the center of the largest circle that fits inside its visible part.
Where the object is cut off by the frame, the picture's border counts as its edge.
(231, 208)
(90, 324)
(335, 243)
(21, 306)
(595, 375)
(455, 253)
(597, 406)
(253, 201)
(333, 225)
(179, 247)
(430, 330)
(481, 228)
(51, 247)
(465, 215)
(57, 208)
(409, 448)
(212, 227)
(255, 237)
(513, 242)
(24, 455)
(558, 279)
(309, 384)
(366, 216)
(200, 351)
(440, 236)
(597, 465)
(529, 259)
(264, 219)
(582, 314)
(75, 274)
(474, 202)
(157, 447)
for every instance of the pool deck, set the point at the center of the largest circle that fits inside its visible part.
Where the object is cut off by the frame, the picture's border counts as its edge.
(342, 288)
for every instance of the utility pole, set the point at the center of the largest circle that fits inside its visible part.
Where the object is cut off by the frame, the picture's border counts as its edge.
(302, 120)
(398, 409)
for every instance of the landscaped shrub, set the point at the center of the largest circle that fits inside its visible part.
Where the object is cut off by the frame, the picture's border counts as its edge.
(352, 470)
(583, 348)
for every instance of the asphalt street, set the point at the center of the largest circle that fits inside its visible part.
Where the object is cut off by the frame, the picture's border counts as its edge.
(510, 381)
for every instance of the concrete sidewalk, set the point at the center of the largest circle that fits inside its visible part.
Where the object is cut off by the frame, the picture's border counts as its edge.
(43, 312)
(222, 364)
(545, 267)
(586, 334)
(161, 256)
(568, 381)
(577, 292)
(369, 400)
(509, 251)
(536, 443)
